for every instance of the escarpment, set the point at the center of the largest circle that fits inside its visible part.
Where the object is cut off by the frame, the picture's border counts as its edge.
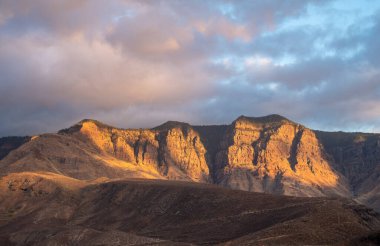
(276, 156)
(264, 154)
(176, 152)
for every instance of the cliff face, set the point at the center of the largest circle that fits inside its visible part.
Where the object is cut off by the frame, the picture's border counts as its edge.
(265, 154)
(278, 156)
(176, 152)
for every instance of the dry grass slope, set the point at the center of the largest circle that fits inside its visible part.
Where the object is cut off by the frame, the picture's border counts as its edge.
(47, 208)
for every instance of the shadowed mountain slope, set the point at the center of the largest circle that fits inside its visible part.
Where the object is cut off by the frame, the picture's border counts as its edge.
(7, 144)
(357, 157)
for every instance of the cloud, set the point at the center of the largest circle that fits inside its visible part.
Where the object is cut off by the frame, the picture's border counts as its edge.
(140, 63)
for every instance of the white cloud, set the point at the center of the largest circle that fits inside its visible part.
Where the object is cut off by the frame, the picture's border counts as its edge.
(258, 61)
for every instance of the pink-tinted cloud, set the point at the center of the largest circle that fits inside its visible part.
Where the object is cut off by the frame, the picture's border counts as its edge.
(138, 63)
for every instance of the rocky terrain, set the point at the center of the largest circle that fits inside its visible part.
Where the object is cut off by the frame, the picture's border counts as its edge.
(268, 154)
(51, 209)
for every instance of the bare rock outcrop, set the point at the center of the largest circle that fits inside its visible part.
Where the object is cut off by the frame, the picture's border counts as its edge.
(272, 154)
(174, 151)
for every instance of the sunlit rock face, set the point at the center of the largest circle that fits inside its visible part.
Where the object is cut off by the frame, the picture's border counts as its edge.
(267, 154)
(273, 154)
(174, 151)
(183, 149)
(264, 154)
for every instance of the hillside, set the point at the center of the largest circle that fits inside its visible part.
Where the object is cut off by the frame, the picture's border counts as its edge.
(51, 209)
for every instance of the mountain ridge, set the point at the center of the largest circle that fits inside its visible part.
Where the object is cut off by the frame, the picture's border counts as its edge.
(270, 154)
(287, 184)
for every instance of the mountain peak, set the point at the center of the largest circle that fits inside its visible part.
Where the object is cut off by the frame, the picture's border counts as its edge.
(172, 124)
(76, 127)
(272, 118)
(96, 122)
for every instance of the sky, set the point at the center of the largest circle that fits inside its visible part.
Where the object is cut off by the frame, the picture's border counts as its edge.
(136, 64)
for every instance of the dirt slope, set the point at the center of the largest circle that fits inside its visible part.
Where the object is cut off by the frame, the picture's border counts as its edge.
(50, 209)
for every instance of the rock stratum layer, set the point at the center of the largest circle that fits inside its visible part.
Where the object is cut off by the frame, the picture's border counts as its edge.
(268, 154)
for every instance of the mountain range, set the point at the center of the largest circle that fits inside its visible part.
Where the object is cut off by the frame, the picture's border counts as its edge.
(85, 171)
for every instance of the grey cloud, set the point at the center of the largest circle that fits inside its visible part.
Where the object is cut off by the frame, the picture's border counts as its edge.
(139, 63)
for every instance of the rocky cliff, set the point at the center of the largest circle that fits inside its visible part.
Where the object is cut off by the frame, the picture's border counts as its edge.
(265, 154)
(275, 155)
